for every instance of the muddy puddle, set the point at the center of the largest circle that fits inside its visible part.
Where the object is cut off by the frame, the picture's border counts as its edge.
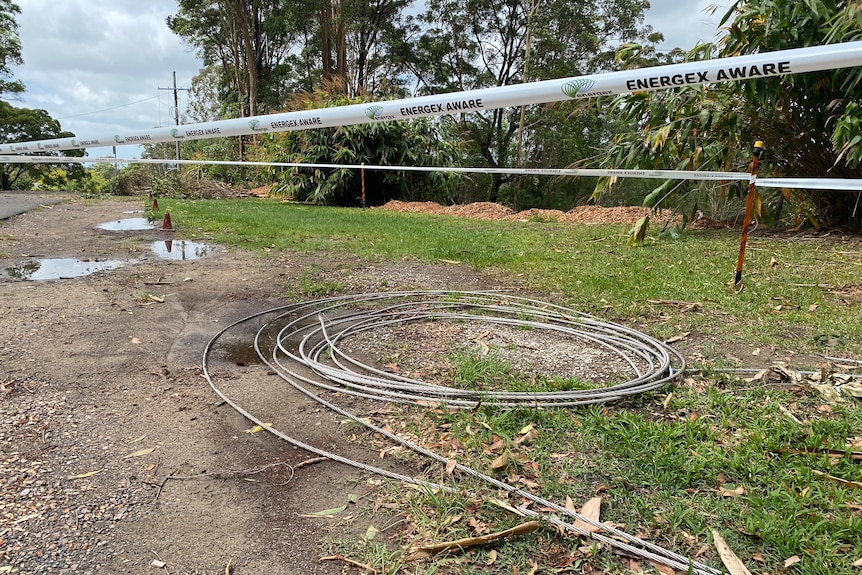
(127, 225)
(60, 268)
(181, 249)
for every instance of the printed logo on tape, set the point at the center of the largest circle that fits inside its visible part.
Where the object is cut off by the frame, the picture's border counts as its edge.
(371, 111)
(256, 127)
(575, 87)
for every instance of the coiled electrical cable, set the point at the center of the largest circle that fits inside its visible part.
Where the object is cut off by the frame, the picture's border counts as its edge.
(306, 353)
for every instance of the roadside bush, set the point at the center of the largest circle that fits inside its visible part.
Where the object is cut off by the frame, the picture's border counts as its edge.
(129, 181)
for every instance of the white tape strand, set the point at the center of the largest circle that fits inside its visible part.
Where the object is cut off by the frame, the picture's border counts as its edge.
(582, 172)
(834, 184)
(769, 64)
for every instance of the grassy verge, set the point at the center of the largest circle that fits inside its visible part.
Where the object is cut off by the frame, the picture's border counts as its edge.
(799, 292)
(757, 463)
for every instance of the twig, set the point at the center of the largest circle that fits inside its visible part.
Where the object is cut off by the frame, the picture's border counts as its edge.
(311, 461)
(226, 474)
(227, 568)
(857, 455)
(349, 561)
(299, 465)
(683, 305)
(158, 463)
(162, 485)
(231, 473)
(789, 414)
(844, 482)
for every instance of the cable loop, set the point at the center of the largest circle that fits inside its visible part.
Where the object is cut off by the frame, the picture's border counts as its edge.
(307, 353)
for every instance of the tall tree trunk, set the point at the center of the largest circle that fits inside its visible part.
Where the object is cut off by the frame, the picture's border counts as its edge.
(239, 10)
(340, 45)
(325, 14)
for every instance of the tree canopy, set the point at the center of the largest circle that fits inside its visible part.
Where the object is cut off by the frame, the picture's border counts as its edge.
(809, 122)
(10, 48)
(374, 49)
(24, 124)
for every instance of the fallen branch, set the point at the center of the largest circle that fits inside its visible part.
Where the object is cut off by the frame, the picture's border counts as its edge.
(428, 551)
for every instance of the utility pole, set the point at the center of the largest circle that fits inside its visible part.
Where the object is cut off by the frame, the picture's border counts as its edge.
(176, 107)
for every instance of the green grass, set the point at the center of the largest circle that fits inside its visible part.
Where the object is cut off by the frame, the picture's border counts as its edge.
(673, 473)
(718, 454)
(791, 290)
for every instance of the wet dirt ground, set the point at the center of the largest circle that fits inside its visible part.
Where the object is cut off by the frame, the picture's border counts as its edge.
(115, 455)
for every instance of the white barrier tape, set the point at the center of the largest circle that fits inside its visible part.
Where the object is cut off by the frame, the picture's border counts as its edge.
(795, 61)
(652, 174)
(834, 184)
(813, 184)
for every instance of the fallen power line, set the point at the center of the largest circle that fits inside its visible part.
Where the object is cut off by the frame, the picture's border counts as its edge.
(301, 343)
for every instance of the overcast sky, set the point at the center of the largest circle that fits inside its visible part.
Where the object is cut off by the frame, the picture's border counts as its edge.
(97, 65)
(686, 23)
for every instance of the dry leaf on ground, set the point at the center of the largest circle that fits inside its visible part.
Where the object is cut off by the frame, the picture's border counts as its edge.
(140, 453)
(728, 557)
(590, 510)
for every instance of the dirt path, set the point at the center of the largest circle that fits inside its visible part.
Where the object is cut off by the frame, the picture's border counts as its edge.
(104, 412)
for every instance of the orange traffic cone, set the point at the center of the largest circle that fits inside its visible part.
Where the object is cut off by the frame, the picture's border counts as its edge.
(155, 205)
(166, 224)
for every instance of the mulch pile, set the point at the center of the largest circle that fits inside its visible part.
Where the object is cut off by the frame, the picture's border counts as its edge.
(628, 215)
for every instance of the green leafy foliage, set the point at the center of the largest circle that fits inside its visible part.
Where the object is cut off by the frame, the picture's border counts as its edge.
(24, 124)
(422, 141)
(809, 122)
(10, 48)
(129, 181)
(638, 233)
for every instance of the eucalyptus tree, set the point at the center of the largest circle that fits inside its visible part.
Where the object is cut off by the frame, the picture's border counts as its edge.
(250, 41)
(481, 43)
(375, 31)
(10, 48)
